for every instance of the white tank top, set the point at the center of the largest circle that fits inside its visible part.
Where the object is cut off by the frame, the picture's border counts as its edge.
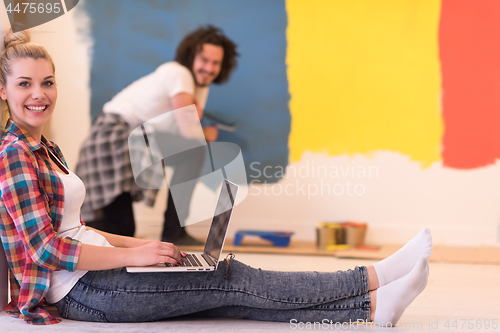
(61, 282)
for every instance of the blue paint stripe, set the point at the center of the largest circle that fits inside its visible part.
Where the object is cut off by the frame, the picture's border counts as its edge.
(132, 38)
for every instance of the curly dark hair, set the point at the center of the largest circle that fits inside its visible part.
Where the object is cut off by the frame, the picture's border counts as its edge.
(192, 44)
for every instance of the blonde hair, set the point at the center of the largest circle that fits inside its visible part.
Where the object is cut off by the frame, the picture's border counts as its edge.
(18, 46)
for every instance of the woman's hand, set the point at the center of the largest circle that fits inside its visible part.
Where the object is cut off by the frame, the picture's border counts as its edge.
(95, 258)
(156, 252)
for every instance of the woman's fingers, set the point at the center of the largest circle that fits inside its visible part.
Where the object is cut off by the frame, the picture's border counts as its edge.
(156, 252)
(171, 251)
(167, 259)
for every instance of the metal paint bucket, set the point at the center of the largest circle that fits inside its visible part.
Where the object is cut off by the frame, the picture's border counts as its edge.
(328, 234)
(354, 233)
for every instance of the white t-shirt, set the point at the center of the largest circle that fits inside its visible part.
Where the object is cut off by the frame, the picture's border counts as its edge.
(150, 96)
(61, 282)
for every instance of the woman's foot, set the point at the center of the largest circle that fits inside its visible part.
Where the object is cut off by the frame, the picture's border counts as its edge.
(393, 298)
(402, 262)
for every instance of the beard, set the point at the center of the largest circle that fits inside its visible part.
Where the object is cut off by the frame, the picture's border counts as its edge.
(208, 78)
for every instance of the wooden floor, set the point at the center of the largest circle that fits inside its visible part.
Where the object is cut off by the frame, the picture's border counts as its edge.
(456, 295)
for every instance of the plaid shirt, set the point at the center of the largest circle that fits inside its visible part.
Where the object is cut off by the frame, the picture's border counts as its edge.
(31, 207)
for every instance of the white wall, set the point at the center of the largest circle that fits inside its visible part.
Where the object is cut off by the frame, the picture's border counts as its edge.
(397, 199)
(70, 122)
(394, 195)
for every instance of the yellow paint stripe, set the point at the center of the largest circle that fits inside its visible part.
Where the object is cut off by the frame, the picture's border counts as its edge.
(364, 76)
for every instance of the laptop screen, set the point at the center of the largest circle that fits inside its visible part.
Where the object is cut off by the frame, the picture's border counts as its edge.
(223, 210)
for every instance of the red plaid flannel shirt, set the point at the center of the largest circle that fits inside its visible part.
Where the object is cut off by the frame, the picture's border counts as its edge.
(31, 207)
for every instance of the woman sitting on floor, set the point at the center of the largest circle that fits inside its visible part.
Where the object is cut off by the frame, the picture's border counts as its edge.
(54, 257)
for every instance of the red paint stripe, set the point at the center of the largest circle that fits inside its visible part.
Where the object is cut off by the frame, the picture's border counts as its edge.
(469, 38)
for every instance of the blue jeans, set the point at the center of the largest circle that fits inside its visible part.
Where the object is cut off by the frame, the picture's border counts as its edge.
(237, 291)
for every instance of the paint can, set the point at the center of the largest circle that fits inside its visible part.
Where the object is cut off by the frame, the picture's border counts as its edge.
(4, 279)
(328, 233)
(354, 233)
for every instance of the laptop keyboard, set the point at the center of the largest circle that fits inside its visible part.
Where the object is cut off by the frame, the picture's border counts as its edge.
(188, 261)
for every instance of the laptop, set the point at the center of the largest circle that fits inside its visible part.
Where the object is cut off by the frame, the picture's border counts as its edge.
(209, 259)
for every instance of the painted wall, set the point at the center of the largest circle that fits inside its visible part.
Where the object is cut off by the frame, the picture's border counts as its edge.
(470, 68)
(408, 87)
(127, 46)
(384, 114)
(371, 74)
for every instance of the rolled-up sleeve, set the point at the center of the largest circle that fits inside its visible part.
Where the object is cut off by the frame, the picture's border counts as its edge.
(27, 206)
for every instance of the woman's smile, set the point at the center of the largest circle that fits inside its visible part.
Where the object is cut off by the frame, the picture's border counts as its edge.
(36, 108)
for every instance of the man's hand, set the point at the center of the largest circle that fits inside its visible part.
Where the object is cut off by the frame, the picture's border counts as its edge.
(211, 133)
(198, 108)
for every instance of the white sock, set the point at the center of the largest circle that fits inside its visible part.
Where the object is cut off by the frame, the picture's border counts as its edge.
(401, 263)
(394, 298)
